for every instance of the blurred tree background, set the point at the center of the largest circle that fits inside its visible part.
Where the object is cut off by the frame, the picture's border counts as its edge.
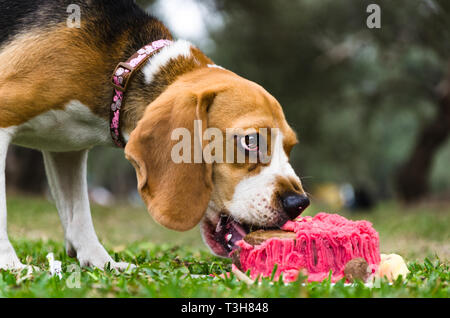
(371, 106)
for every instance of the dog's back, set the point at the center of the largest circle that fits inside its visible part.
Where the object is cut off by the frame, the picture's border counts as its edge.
(109, 19)
(18, 16)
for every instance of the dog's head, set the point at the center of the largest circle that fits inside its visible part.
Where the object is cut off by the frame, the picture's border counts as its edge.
(232, 195)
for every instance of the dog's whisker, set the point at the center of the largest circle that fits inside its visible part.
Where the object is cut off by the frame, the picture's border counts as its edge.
(310, 195)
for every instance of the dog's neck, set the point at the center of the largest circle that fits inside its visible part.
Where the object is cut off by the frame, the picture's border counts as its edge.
(160, 71)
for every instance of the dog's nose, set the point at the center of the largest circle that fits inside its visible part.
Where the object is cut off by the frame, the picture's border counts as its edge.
(294, 204)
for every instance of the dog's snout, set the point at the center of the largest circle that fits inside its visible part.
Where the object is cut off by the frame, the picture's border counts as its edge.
(294, 204)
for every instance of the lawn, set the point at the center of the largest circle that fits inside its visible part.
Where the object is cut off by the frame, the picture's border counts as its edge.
(172, 264)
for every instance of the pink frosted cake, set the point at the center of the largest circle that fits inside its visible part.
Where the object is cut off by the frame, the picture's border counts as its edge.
(316, 245)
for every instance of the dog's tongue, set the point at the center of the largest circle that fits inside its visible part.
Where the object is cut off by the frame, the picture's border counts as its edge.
(229, 231)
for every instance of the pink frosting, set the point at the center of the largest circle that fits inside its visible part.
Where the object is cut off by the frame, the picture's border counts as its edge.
(325, 242)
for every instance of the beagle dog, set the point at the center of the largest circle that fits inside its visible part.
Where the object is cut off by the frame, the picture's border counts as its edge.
(118, 78)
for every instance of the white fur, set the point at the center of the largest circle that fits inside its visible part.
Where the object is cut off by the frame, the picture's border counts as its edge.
(64, 137)
(73, 128)
(216, 66)
(251, 202)
(69, 168)
(173, 51)
(8, 257)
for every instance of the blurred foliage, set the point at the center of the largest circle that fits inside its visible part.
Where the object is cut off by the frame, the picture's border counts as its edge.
(356, 96)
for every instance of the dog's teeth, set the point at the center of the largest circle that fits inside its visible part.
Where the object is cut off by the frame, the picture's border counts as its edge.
(218, 227)
(228, 237)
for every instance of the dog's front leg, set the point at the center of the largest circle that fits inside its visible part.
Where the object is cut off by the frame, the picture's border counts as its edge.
(8, 257)
(66, 174)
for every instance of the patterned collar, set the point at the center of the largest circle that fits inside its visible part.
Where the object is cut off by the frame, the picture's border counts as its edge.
(120, 79)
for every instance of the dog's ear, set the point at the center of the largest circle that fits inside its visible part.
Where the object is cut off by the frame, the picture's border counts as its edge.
(176, 194)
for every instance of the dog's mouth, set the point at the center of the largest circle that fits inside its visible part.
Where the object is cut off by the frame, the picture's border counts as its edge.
(222, 234)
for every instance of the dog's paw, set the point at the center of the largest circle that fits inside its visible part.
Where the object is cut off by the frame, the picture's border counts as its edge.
(9, 259)
(111, 264)
(123, 266)
(12, 265)
(98, 257)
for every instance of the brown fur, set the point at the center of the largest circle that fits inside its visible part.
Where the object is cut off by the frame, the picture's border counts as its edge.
(136, 101)
(31, 84)
(169, 188)
(44, 70)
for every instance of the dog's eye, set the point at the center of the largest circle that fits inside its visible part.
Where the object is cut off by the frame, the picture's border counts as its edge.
(250, 142)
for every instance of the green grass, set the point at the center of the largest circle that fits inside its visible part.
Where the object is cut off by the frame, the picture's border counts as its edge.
(175, 264)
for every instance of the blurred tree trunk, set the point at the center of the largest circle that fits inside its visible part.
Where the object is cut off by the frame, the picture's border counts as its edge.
(25, 171)
(413, 177)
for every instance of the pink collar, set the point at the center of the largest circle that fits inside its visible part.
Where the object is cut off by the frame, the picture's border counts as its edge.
(120, 79)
